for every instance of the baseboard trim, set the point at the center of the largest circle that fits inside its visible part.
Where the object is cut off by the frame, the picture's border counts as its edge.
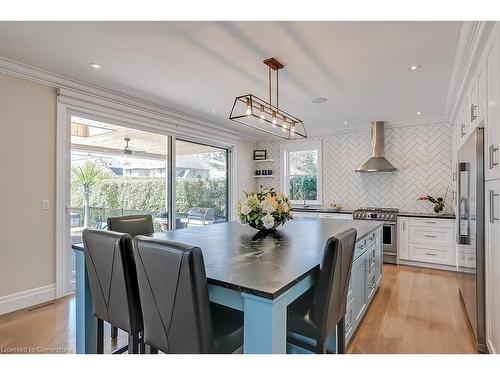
(427, 265)
(26, 298)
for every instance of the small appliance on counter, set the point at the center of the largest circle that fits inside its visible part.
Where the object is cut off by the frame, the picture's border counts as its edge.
(389, 232)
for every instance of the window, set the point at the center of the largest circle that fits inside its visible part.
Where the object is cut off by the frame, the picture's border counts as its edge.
(301, 177)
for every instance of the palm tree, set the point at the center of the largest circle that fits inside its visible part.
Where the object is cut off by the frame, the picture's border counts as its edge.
(85, 176)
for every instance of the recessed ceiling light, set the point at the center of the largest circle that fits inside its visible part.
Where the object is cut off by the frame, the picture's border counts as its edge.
(213, 110)
(95, 65)
(319, 100)
(346, 122)
(419, 113)
(414, 67)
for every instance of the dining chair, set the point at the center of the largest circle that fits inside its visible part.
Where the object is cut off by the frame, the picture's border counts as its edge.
(113, 285)
(318, 312)
(178, 316)
(133, 225)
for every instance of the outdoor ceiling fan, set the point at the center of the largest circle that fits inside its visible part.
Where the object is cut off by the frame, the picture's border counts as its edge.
(127, 151)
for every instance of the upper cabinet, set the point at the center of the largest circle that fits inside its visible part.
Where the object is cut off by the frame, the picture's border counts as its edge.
(492, 67)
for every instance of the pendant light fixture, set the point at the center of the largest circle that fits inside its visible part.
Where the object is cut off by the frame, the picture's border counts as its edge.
(262, 115)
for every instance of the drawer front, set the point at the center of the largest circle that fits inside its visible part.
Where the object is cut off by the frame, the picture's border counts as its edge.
(432, 254)
(431, 236)
(349, 322)
(349, 292)
(371, 239)
(304, 214)
(335, 216)
(371, 285)
(432, 223)
(372, 259)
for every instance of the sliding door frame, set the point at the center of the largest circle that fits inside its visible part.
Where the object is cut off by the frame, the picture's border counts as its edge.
(63, 176)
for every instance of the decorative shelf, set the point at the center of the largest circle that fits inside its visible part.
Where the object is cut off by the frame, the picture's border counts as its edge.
(262, 161)
(263, 176)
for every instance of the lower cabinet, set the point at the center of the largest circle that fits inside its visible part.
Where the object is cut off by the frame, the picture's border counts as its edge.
(366, 275)
(430, 241)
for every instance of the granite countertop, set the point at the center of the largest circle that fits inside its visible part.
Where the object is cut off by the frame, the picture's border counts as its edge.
(238, 257)
(429, 215)
(324, 210)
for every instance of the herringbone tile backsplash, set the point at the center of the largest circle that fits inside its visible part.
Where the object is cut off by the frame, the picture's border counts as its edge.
(421, 153)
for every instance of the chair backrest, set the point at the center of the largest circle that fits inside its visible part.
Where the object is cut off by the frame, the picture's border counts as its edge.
(113, 279)
(174, 296)
(329, 305)
(132, 224)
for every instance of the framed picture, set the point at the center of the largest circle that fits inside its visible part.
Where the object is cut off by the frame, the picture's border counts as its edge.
(259, 154)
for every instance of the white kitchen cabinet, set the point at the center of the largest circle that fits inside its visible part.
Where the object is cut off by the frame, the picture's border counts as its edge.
(428, 241)
(481, 96)
(403, 239)
(299, 214)
(492, 262)
(334, 215)
(492, 64)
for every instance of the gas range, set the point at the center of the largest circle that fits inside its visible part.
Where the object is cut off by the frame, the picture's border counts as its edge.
(374, 213)
(389, 217)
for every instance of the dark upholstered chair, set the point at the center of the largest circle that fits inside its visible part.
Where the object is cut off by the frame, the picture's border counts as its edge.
(318, 311)
(113, 285)
(178, 316)
(133, 225)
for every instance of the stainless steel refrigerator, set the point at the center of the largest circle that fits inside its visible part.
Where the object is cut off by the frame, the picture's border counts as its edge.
(470, 232)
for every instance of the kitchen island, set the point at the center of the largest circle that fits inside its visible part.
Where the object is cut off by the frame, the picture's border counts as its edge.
(262, 274)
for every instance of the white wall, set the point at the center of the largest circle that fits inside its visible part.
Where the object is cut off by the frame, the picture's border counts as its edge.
(422, 154)
(245, 169)
(27, 173)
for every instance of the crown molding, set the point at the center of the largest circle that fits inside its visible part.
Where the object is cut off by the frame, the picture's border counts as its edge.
(365, 127)
(60, 82)
(471, 40)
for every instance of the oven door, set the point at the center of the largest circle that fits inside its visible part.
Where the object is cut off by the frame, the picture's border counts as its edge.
(390, 241)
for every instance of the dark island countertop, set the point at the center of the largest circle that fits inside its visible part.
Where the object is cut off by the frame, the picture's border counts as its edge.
(427, 215)
(238, 257)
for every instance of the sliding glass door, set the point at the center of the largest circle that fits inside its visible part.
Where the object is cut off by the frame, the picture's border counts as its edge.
(201, 184)
(117, 171)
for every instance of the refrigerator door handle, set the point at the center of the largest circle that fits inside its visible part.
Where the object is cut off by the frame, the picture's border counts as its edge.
(493, 195)
(492, 150)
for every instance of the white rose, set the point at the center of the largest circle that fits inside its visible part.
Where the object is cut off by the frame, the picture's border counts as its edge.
(245, 210)
(266, 207)
(268, 221)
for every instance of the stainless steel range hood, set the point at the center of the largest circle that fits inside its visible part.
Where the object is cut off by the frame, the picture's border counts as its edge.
(378, 162)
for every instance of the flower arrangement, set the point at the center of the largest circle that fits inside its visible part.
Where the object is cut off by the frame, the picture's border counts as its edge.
(265, 210)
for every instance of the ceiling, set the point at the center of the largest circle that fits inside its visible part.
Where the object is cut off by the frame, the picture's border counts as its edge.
(361, 67)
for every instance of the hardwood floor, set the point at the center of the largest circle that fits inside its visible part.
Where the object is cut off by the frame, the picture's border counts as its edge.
(416, 310)
(47, 328)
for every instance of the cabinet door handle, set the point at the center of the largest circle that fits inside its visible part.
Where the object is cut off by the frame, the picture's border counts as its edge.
(429, 222)
(432, 254)
(429, 236)
(462, 131)
(404, 226)
(493, 195)
(473, 113)
(492, 152)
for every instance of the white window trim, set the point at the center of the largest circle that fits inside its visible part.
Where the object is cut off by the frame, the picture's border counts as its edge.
(285, 148)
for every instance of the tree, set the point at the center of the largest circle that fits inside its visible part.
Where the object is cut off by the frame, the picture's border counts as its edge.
(85, 177)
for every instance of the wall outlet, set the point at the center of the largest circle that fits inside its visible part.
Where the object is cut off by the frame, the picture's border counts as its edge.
(45, 204)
